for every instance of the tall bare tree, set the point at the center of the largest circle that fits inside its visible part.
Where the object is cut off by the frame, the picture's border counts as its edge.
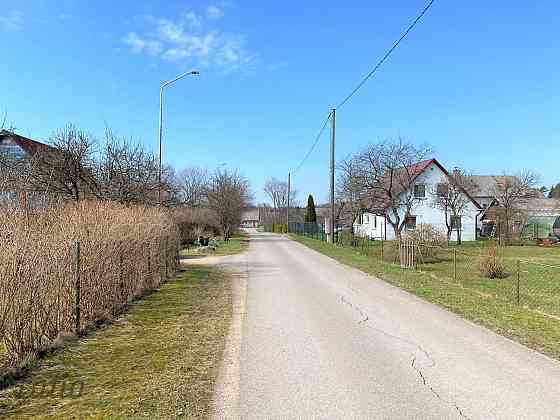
(511, 192)
(127, 172)
(350, 190)
(228, 196)
(452, 199)
(193, 186)
(388, 169)
(277, 191)
(67, 168)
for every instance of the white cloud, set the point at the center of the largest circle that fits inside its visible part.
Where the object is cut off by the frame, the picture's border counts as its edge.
(188, 39)
(138, 44)
(214, 12)
(277, 66)
(13, 21)
(193, 19)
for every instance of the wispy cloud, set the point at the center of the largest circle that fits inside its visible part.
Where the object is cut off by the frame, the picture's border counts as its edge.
(65, 16)
(190, 38)
(214, 12)
(13, 21)
(277, 66)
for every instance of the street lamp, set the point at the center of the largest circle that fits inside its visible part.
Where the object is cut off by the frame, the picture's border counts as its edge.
(189, 73)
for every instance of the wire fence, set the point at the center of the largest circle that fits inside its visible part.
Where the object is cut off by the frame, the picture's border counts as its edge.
(522, 279)
(67, 268)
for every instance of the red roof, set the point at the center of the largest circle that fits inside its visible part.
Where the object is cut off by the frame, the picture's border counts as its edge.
(378, 201)
(28, 146)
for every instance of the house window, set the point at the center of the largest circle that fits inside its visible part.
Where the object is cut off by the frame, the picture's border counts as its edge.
(456, 222)
(420, 191)
(442, 190)
(366, 218)
(410, 222)
(375, 222)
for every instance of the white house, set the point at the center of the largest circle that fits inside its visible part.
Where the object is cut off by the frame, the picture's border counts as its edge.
(427, 180)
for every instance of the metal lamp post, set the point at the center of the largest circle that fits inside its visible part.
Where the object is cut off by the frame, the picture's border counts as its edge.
(189, 73)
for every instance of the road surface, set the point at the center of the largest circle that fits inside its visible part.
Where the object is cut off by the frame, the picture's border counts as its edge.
(320, 340)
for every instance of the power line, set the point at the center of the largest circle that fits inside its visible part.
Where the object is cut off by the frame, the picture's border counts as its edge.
(387, 54)
(321, 131)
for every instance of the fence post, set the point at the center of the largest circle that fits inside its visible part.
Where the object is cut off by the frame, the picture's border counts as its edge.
(121, 285)
(149, 259)
(455, 264)
(165, 256)
(78, 286)
(382, 248)
(518, 280)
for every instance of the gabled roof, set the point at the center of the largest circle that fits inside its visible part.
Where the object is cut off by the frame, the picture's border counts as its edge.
(27, 145)
(407, 175)
(486, 184)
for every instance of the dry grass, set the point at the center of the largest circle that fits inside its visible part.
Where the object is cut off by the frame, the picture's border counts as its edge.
(125, 251)
(159, 360)
(491, 263)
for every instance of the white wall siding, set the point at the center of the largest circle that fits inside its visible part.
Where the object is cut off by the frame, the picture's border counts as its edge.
(424, 210)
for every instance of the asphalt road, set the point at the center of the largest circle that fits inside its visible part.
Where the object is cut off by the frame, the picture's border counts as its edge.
(320, 340)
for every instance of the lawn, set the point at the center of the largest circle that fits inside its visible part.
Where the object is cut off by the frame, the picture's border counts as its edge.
(158, 361)
(491, 303)
(235, 245)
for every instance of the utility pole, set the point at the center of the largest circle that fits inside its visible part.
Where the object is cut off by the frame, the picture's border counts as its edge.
(333, 139)
(288, 207)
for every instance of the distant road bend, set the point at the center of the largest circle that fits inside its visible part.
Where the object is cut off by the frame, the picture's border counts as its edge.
(319, 340)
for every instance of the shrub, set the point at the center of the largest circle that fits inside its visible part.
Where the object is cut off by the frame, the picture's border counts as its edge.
(430, 240)
(195, 222)
(125, 251)
(491, 263)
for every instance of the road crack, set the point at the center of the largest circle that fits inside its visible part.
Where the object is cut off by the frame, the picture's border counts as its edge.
(364, 318)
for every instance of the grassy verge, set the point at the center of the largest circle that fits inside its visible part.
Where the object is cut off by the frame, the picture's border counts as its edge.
(158, 361)
(520, 323)
(235, 245)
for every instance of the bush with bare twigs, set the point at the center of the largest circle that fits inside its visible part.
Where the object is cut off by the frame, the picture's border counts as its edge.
(430, 239)
(490, 262)
(195, 222)
(125, 251)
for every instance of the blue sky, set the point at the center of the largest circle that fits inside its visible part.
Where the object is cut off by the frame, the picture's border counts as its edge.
(477, 80)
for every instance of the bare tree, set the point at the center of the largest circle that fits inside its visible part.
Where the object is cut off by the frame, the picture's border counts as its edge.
(388, 169)
(511, 192)
(452, 199)
(127, 172)
(193, 186)
(277, 191)
(228, 195)
(4, 123)
(350, 190)
(67, 168)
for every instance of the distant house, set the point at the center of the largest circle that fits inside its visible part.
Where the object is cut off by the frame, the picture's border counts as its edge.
(484, 187)
(16, 146)
(14, 151)
(427, 178)
(532, 208)
(250, 218)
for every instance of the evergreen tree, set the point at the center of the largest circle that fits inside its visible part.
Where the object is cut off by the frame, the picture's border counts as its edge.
(310, 214)
(550, 192)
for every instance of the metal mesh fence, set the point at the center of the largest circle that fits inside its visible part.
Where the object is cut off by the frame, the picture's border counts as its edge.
(492, 272)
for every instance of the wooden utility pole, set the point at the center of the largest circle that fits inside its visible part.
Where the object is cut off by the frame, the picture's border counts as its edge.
(333, 139)
(288, 206)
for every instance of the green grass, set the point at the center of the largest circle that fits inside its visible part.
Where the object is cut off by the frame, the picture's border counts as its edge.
(486, 302)
(235, 245)
(159, 361)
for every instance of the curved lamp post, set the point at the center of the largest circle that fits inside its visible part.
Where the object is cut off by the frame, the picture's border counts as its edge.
(189, 73)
